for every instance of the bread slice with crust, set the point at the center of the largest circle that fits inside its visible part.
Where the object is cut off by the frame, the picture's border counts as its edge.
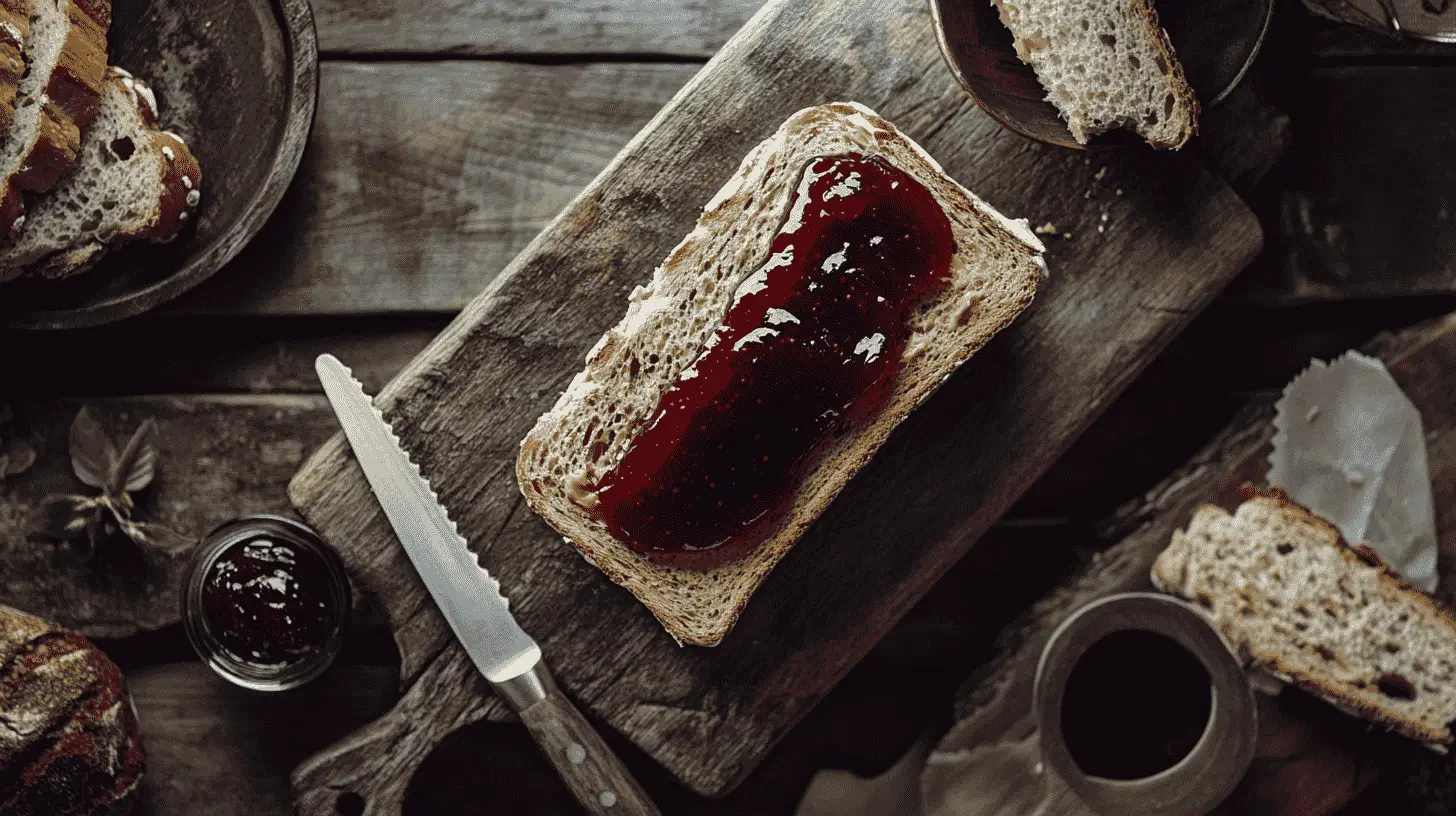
(132, 181)
(994, 273)
(1105, 64)
(1297, 601)
(58, 99)
(14, 32)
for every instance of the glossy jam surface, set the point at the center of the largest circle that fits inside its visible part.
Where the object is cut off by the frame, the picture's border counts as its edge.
(270, 602)
(810, 347)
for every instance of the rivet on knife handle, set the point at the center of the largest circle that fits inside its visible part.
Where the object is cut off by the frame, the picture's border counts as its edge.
(598, 779)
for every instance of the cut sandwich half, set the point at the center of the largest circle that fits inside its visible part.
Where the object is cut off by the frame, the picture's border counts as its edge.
(764, 232)
(57, 100)
(1105, 64)
(1295, 600)
(131, 182)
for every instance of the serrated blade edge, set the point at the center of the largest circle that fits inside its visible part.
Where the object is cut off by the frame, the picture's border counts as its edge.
(468, 596)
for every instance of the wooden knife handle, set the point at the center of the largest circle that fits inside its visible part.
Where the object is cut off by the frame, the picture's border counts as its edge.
(598, 779)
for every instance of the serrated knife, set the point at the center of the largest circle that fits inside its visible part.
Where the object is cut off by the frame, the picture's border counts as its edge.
(472, 603)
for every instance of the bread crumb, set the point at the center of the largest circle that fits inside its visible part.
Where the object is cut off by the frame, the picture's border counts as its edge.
(1101, 173)
(1046, 229)
(1312, 415)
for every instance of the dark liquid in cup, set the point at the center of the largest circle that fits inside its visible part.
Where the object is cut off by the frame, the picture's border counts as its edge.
(1135, 705)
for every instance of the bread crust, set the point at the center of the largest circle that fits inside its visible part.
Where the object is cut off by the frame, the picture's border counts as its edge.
(1356, 558)
(70, 101)
(700, 607)
(1179, 83)
(179, 191)
(14, 29)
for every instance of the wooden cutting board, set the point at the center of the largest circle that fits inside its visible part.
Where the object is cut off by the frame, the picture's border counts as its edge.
(1153, 238)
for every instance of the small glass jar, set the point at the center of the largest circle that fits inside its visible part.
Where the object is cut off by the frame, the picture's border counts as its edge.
(266, 603)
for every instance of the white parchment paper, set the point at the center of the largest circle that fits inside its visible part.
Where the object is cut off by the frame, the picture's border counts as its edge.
(1349, 445)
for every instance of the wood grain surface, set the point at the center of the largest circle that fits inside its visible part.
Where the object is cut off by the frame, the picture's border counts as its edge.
(425, 179)
(217, 749)
(220, 457)
(995, 717)
(494, 28)
(1350, 226)
(1138, 266)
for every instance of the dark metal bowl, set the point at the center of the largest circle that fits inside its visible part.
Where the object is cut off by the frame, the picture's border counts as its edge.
(1216, 41)
(238, 79)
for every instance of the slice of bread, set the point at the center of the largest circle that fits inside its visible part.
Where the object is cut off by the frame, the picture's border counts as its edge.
(58, 99)
(14, 32)
(1298, 602)
(995, 272)
(1105, 64)
(132, 181)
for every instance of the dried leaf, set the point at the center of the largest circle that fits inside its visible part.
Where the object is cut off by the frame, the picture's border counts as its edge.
(92, 452)
(19, 457)
(155, 537)
(64, 518)
(136, 466)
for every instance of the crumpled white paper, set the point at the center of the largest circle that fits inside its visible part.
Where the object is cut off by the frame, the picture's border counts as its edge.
(1349, 445)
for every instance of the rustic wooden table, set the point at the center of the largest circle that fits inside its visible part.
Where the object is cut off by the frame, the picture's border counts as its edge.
(448, 134)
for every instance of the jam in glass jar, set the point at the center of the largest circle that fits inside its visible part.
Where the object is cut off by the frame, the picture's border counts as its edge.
(266, 603)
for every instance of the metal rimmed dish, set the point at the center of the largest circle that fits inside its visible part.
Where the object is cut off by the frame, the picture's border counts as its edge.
(1216, 42)
(238, 79)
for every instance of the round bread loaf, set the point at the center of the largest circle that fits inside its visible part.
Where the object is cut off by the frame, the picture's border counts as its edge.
(69, 742)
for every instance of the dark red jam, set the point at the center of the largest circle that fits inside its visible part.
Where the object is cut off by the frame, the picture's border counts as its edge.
(809, 348)
(270, 602)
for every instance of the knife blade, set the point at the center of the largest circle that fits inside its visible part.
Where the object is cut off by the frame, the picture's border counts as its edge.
(474, 607)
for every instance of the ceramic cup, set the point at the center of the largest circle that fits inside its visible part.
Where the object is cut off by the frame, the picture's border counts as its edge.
(1210, 770)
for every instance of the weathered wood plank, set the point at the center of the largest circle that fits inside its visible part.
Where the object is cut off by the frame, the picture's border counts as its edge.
(995, 708)
(678, 28)
(219, 457)
(1369, 189)
(214, 748)
(174, 355)
(422, 180)
(1166, 247)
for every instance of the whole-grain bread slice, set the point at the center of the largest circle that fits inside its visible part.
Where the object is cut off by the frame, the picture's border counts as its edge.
(14, 32)
(994, 274)
(1298, 602)
(57, 100)
(131, 181)
(1105, 64)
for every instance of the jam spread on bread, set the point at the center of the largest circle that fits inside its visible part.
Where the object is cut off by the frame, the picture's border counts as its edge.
(809, 348)
(269, 602)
